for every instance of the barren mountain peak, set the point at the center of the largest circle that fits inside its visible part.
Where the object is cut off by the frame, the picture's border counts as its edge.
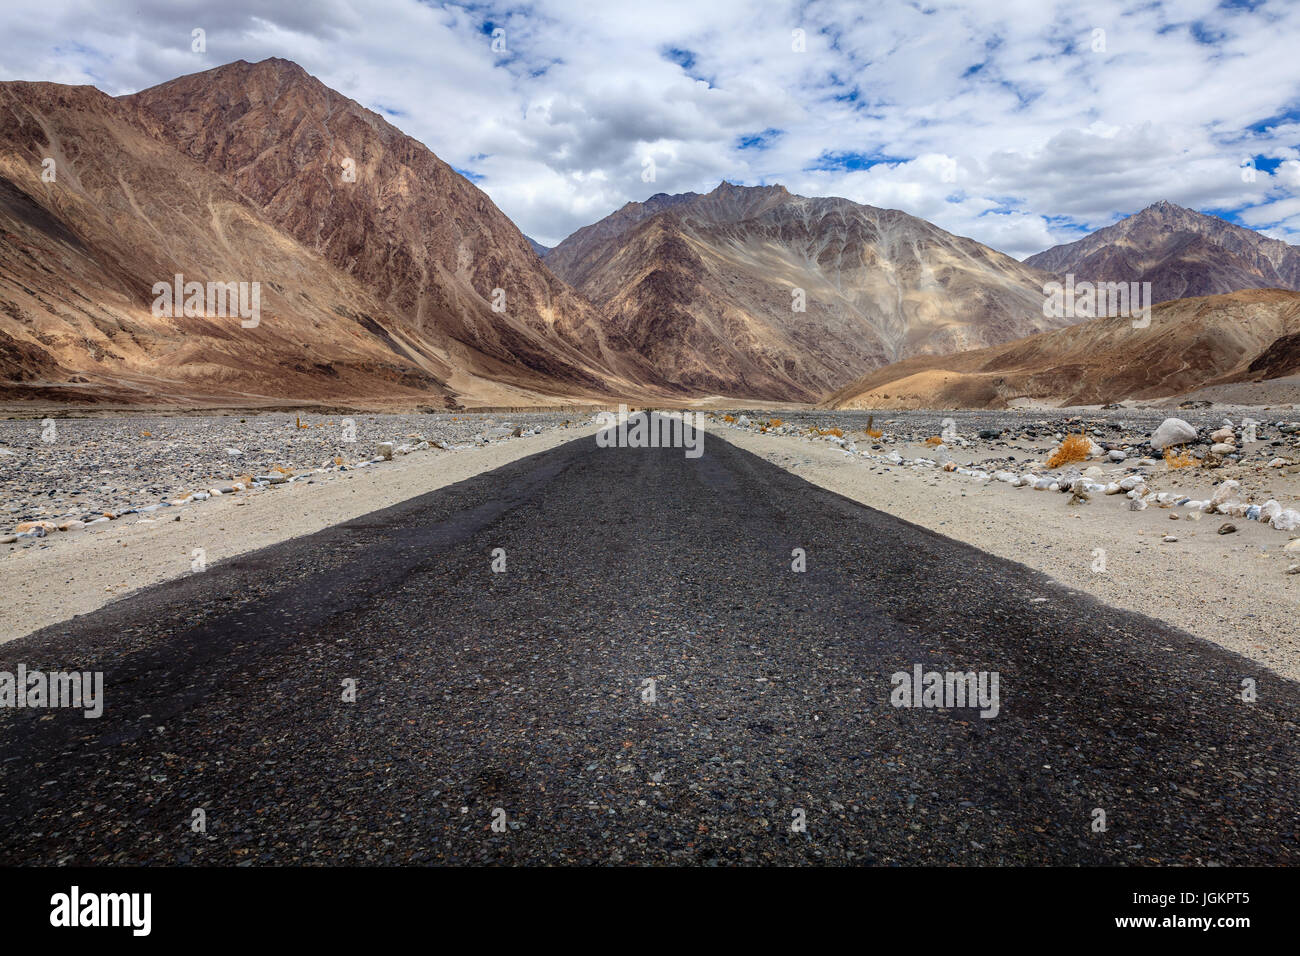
(1180, 251)
(753, 290)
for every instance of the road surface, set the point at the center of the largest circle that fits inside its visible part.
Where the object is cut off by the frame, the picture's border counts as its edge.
(647, 681)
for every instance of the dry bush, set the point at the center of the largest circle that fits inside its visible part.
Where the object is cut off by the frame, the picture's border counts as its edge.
(775, 423)
(1074, 448)
(934, 440)
(729, 418)
(1177, 458)
(834, 431)
(874, 433)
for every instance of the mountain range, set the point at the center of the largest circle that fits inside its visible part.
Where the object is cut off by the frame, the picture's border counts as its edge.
(387, 278)
(754, 291)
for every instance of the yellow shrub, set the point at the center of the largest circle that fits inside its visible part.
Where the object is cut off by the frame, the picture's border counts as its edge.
(775, 423)
(728, 418)
(874, 432)
(934, 440)
(1074, 448)
(1177, 458)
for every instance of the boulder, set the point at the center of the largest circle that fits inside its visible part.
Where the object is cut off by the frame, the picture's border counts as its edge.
(1172, 431)
(1288, 520)
(386, 450)
(1225, 491)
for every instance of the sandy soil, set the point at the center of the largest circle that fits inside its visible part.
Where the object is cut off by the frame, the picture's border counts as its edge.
(1232, 590)
(78, 573)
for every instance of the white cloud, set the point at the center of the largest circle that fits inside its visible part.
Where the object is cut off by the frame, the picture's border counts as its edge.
(1036, 130)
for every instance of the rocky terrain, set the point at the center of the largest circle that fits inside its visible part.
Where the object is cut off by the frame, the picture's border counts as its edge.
(704, 287)
(92, 471)
(1246, 465)
(1245, 339)
(1181, 252)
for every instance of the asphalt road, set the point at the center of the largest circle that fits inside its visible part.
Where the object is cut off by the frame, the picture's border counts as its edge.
(520, 697)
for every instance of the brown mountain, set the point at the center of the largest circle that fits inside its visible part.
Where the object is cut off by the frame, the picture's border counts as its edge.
(383, 208)
(79, 256)
(1182, 253)
(375, 289)
(703, 286)
(1248, 339)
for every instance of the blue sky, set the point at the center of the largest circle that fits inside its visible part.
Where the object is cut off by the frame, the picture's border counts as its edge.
(1021, 123)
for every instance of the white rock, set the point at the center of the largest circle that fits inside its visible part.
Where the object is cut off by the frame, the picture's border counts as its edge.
(1113, 489)
(1226, 435)
(1225, 491)
(1277, 463)
(1288, 520)
(1129, 482)
(1223, 448)
(233, 452)
(1116, 455)
(1269, 510)
(1172, 431)
(386, 450)
(1137, 504)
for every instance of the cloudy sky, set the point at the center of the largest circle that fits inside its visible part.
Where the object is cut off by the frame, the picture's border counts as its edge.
(1021, 123)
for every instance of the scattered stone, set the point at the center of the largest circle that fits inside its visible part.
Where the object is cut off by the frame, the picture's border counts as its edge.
(1172, 431)
(1227, 528)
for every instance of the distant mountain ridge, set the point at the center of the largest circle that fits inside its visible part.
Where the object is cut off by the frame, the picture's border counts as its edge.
(1241, 339)
(706, 287)
(1181, 252)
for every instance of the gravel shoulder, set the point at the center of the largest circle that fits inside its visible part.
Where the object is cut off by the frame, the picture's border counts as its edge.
(1227, 589)
(74, 574)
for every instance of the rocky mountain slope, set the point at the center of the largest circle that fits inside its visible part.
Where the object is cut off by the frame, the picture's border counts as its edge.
(84, 238)
(384, 276)
(383, 208)
(706, 286)
(1247, 338)
(1182, 253)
